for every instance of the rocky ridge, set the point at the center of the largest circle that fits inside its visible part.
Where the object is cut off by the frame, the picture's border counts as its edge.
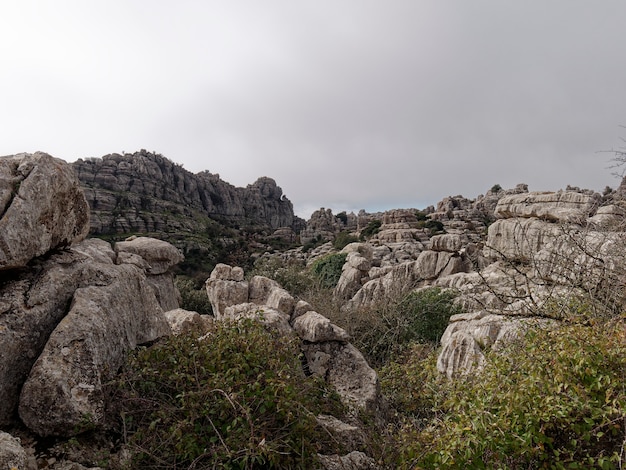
(72, 308)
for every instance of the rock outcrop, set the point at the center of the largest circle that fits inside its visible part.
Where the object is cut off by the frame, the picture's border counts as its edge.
(147, 193)
(71, 310)
(325, 345)
(41, 208)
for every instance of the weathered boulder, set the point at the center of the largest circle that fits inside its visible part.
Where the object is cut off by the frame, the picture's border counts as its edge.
(160, 255)
(344, 367)
(316, 328)
(263, 313)
(561, 206)
(12, 454)
(355, 460)
(183, 321)
(226, 287)
(33, 302)
(63, 393)
(42, 207)
(519, 239)
(461, 354)
(447, 242)
(265, 291)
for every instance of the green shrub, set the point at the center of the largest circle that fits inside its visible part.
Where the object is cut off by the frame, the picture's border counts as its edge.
(372, 229)
(385, 330)
(496, 188)
(556, 399)
(291, 275)
(193, 295)
(343, 217)
(328, 269)
(342, 239)
(238, 399)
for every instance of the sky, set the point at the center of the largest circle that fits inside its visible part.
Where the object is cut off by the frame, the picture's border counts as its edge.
(347, 104)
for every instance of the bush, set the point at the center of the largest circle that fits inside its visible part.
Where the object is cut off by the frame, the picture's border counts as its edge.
(193, 295)
(342, 239)
(236, 400)
(292, 276)
(328, 269)
(557, 399)
(372, 229)
(387, 329)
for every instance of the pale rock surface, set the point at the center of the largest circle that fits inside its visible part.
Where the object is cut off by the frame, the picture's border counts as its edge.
(33, 302)
(316, 328)
(519, 238)
(265, 291)
(42, 207)
(612, 217)
(63, 393)
(461, 354)
(349, 435)
(226, 287)
(355, 460)
(344, 367)
(160, 255)
(561, 206)
(12, 454)
(447, 242)
(263, 313)
(301, 307)
(183, 321)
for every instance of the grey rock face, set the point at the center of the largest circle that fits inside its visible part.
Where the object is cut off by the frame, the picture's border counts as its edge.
(12, 454)
(63, 392)
(145, 192)
(41, 207)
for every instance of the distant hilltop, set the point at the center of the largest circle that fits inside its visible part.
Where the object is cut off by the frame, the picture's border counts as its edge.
(146, 192)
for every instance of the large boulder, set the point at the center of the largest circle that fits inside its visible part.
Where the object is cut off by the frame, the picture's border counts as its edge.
(560, 206)
(64, 390)
(225, 287)
(160, 255)
(42, 207)
(12, 454)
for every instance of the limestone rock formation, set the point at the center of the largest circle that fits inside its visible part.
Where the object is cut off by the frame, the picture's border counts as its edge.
(12, 454)
(145, 192)
(41, 207)
(560, 206)
(325, 345)
(63, 392)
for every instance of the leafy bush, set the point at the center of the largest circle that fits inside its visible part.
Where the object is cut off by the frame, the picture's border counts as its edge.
(193, 296)
(557, 399)
(343, 217)
(238, 399)
(496, 188)
(342, 239)
(328, 269)
(386, 329)
(372, 229)
(291, 275)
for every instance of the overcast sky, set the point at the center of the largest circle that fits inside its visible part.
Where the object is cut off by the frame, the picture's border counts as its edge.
(347, 104)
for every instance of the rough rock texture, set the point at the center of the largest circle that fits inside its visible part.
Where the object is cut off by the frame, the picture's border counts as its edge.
(41, 207)
(344, 367)
(226, 287)
(145, 192)
(316, 328)
(519, 238)
(63, 393)
(183, 321)
(353, 461)
(325, 345)
(12, 454)
(322, 225)
(160, 255)
(561, 206)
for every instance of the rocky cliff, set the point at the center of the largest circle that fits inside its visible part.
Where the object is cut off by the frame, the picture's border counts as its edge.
(145, 191)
